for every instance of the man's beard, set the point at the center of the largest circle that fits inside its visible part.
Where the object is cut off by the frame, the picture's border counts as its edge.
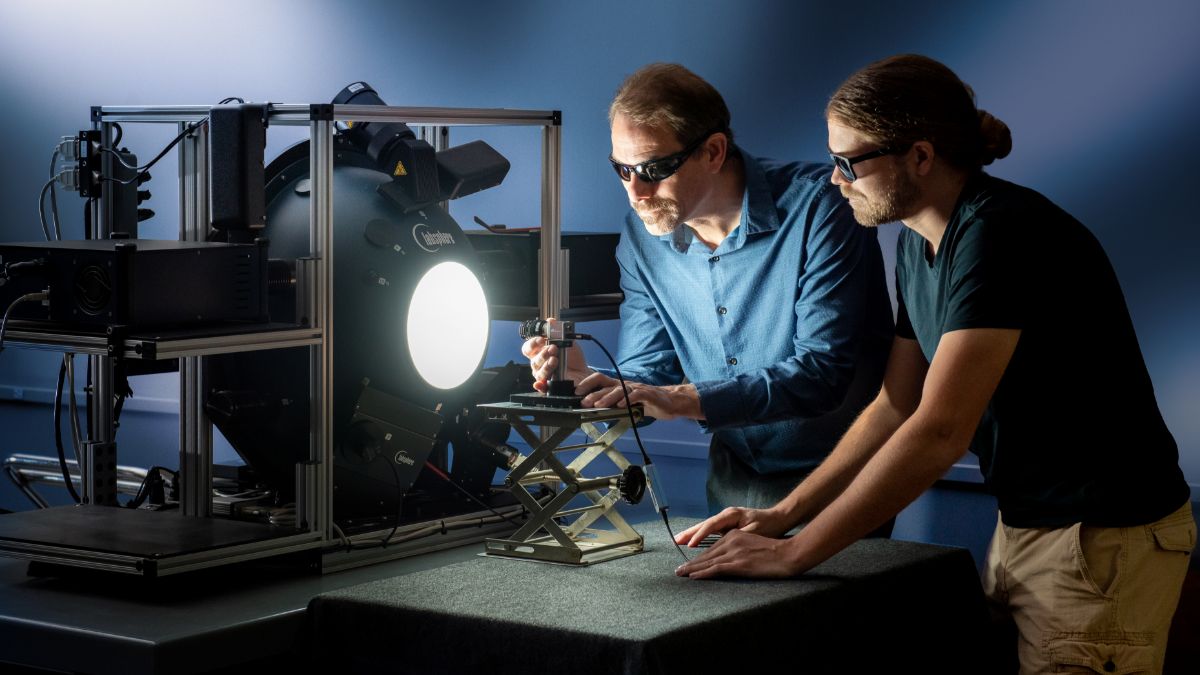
(659, 214)
(896, 202)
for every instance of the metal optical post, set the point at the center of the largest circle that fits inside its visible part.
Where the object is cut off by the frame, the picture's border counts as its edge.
(560, 392)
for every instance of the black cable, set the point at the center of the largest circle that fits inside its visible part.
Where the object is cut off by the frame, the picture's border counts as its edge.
(399, 513)
(58, 444)
(427, 529)
(138, 497)
(40, 295)
(399, 500)
(42, 209)
(348, 546)
(142, 492)
(62, 372)
(117, 155)
(121, 391)
(120, 134)
(231, 99)
(143, 169)
(183, 134)
(466, 492)
(119, 395)
(131, 181)
(76, 433)
(53, 197)
(636, 435)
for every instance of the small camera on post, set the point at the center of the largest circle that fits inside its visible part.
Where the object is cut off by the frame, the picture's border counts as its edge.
(560, 392)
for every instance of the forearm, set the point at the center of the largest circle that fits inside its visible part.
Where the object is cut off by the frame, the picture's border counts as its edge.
(915, 457)
(807, 385)
(955, 390)
(874, 426)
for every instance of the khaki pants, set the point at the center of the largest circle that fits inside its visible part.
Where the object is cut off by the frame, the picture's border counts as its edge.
(1091, 599)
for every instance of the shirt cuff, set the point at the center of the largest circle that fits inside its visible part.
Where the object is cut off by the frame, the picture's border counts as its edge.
(722, 403)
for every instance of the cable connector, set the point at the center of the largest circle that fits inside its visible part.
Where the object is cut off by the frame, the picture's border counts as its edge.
(68, 148)
(68, 179)
(17, 269)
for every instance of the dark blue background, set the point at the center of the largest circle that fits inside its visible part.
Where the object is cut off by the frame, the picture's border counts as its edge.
(1101, 97)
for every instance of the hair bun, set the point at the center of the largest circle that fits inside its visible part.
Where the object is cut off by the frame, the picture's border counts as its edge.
(995, 138)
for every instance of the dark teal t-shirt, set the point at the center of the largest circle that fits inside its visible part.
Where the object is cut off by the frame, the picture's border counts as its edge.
(1073, 432)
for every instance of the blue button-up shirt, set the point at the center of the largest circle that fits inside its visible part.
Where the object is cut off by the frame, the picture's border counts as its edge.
(784, 328)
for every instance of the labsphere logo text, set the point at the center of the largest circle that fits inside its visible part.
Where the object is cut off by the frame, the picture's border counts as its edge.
(431, 240)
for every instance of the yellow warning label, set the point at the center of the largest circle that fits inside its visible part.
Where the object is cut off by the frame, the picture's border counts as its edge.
(400, 170)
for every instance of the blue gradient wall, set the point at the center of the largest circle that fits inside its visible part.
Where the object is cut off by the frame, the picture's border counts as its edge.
(1101, 97)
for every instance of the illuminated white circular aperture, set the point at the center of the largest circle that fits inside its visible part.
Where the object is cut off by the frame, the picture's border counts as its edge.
(447, 325)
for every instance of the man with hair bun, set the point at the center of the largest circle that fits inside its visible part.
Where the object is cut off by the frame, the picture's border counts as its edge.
(753, 302)
(1012, 338)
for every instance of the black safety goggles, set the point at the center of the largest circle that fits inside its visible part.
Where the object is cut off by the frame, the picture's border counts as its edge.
(654, 170)
(846, 164)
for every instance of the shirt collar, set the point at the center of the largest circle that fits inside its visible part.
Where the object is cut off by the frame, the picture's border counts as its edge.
(971, 197)
(758, 212)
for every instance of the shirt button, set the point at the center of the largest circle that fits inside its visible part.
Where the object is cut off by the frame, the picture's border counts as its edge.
(722, 311)
(715, 258)
(732, 361)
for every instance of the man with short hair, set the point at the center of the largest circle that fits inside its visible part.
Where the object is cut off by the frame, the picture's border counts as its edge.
(1012, 337)
(753, 302)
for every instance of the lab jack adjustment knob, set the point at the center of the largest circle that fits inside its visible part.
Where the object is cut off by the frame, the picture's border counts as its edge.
(632, 484)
